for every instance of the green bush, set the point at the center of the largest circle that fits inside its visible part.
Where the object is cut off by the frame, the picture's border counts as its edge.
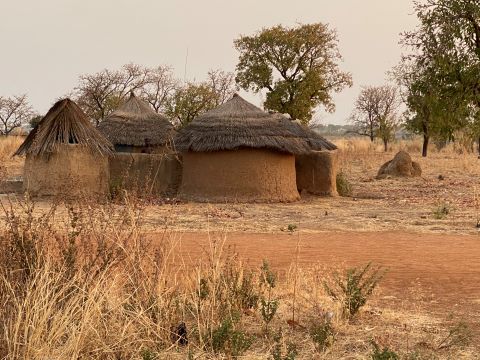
(441, 211)
(281, 352)
(344, 187)
(322, 334)
(269, 306)
(230, 341)
(383, 354)
(355, 287)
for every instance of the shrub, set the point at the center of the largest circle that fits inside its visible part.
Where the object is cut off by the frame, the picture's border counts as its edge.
(442, 211)
(147, 354)
(269, 305)
(242, 290)
(322, 333)
(354, 289)
(281, 351)
(226, 339)
(458, 335)
(344, 187)
(383, 354)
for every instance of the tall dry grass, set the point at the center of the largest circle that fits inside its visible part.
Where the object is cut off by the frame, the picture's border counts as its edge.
(91, 284)
(8, 145)
(10, 166)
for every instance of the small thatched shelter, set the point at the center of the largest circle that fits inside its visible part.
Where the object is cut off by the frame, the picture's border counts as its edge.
(65, 154)
(237, 152)
(144, 159)
(136, 128)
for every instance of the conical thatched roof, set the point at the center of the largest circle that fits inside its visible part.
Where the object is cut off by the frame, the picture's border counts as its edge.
(65, 123)
(135, 123)
(240, 124)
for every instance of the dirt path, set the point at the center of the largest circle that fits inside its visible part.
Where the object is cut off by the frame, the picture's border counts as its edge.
(441, 272)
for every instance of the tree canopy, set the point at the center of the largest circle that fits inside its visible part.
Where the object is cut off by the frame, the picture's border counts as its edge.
(297, 66)
(441, 73)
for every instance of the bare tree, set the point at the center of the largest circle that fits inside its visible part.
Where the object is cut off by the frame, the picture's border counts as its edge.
(364, 114)
(375, 113)
(100, 93)
(386, 113)
(223, 84)
(14, 112)
(160, 85)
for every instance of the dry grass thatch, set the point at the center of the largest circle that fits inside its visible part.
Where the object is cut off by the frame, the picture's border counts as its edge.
(65, 123)
(135, 123)
(239, 124)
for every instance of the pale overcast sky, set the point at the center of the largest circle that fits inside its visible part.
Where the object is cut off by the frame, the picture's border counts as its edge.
(46, 44)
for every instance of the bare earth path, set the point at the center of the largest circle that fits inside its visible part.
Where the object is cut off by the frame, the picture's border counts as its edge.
(438, 272)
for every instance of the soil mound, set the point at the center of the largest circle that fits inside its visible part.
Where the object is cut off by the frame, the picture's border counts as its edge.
(401, 166)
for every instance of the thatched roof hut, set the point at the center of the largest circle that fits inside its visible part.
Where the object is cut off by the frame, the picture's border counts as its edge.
(136, 127)
(65, 123)
(65, 154)
(239, 124)
(237, 152)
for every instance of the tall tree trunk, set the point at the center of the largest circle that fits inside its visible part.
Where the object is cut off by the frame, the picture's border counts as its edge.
(426, 138)
(372, 138)
(385, 145)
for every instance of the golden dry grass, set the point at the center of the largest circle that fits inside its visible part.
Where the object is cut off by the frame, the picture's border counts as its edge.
(10, 166)
(94, 288)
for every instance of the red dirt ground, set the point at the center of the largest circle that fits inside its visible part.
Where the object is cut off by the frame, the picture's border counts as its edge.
(440, 273)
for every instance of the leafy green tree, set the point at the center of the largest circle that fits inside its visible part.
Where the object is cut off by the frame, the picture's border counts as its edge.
(443, 89)
(297, 66)
(193, 99)
(35, 120)
(189, 101)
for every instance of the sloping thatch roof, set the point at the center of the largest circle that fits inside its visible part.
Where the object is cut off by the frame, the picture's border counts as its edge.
(240, 124)
(65, 123)
(135, 123)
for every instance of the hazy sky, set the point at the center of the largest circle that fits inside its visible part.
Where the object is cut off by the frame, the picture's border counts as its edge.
(46, 44)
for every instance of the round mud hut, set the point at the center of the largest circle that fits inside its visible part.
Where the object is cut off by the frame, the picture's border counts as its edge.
(144, 160)
(317, 170)
(239, 153)
(136, 128)
(65, 155)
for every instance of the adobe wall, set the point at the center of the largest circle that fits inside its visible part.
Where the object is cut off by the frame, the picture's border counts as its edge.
(71, 172)
(150, 174)
(317, 173)
(246, 175)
